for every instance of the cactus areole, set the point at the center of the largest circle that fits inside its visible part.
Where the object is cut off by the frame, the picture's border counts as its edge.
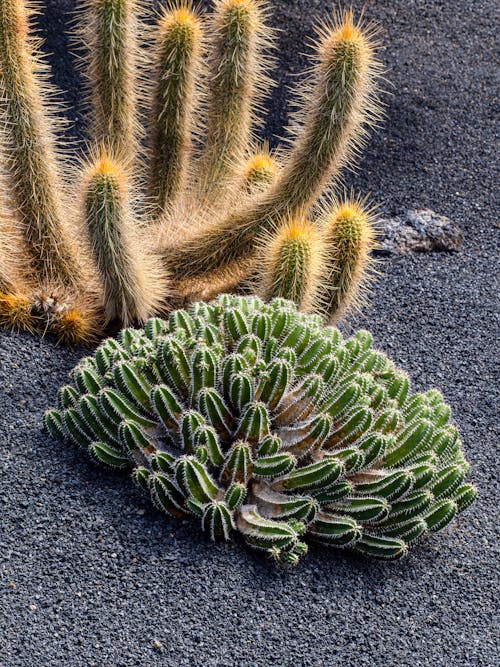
(254, 418)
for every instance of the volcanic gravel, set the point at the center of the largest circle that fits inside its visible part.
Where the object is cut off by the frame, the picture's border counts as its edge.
(92, 574)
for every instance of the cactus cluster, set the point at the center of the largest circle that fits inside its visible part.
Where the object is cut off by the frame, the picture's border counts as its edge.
(255, 418)
(173, 199)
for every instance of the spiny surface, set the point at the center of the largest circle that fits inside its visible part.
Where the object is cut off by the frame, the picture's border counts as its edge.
(255, 418)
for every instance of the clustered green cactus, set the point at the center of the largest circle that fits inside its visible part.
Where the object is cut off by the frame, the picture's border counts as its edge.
(255, 418)
(174, 199)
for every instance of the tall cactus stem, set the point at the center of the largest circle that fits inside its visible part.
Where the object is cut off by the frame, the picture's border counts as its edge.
(28, 152)
(15, 305)
(291, 264)
(109, 31)
(127, 270)
(237, 84)
(338, 102)
(177, 54)
(349, 235)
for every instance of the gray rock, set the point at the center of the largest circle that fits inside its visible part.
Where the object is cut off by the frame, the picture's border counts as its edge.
(418, 231)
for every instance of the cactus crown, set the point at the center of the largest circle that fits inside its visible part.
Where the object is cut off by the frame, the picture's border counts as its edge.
(254, 418)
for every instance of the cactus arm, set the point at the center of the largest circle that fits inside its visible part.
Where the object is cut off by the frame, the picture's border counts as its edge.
(177, 58)
(290, 264)
(237, 83)
(109, 31)
(130, 279)
(29, 151)
(349, 236)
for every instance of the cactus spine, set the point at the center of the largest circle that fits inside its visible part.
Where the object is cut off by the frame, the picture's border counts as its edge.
(177, 55)
(127, 271)
(255, 418)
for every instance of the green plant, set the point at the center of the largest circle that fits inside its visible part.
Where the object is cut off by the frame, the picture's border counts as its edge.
(194, 206)
(255, 418)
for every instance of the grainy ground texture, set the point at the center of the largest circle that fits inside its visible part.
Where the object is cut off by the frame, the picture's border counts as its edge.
(91, 574)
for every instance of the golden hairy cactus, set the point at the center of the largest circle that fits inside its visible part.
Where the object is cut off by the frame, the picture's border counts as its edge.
(175, 197)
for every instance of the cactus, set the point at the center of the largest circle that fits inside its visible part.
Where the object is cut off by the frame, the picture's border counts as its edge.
(348, 239)
(254, 418)
(178, 54)
(174, 103)
(109, 31)
(37, 204)
(292, 263)
(129, 287)
(337, 101)
(237, 84)
(260, 170)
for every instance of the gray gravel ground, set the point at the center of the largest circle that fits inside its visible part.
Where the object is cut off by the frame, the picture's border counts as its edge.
(91, 574)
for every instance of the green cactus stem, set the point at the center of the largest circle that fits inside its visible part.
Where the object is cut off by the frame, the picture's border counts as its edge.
(237, 83)
(28, 154)
(348, 268)
(291, 264)
(109, 33)
(255, 418)
(130, 278)
(177, 59)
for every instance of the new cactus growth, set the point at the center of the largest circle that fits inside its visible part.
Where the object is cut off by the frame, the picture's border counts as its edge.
(254, 418)
(349, 237)
(175, 100)
(260, 170)
(292, 263)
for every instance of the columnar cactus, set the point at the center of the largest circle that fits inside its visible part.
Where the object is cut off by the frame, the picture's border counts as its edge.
(254, 418)
(109, 30)
(33, 177)
(130, 275)
(175, 104)
(178, 59)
